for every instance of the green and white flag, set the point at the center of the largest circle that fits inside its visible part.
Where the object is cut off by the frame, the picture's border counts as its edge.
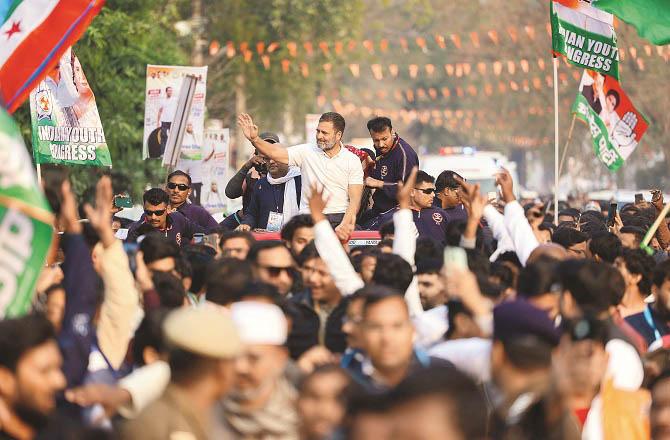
(615, 124)
(65, 120)
(585, 35)
(26, 223)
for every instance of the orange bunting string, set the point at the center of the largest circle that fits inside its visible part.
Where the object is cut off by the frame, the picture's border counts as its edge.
(502, 87)
(530, 31)
(456, 39)
(481, 68)
(439, 39)
(459, 70)
(497, 68)
(230, 49)
(633, 52)
(459, 92)
(355, 70)
(308, 48)
(272, 47)
(324, 48)
(393, 70)
(328, 67)
(488, 89)
(403, 44)
(384, 45)
(369, 46)
(513, 34)
(247, 56)
(338, 47)
(640, 63)
(377, 71)
(511, 68)
(449, 69)
(397, 94)
(421, 42)
(292, 48)
(413, 70)
(493, 35)
(285, 64)
(474, 36)
(260, 47)
(420, 94)
(430, 69)
(214, 47)
(524, 65)
(244, 46)
(410, 95)
(266, 61)
(467, 68)
(352, 45)
(446, 93)
(432, 93)
(537, 83)
(540, 63)
(304, 69)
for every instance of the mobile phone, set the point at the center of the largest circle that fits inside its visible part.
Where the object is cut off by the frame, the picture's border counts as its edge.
(198, 237)
(455, 258)
(611, 214)
(639, 198)
(123, 201)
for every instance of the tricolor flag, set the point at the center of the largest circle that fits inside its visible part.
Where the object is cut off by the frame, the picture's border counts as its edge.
(585, 35)
(33, 36)
(26, 223)
(616, 126)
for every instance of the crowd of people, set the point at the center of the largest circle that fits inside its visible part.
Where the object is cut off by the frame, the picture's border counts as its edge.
(472, 318)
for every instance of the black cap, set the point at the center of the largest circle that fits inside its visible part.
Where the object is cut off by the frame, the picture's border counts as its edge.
(269, 137)
(518, 318)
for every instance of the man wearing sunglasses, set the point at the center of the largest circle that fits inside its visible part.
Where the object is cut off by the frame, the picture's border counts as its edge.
(179, 189)
(273, 264)
(173, 225)
(430, 221)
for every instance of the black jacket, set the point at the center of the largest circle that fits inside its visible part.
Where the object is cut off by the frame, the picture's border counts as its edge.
(304, 332)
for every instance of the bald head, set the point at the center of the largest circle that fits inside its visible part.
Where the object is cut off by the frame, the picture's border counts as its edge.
(552, 250)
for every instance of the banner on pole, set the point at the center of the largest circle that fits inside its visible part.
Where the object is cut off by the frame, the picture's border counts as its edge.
(162, 93)
(26, 223)
(585, 35)
(615, 125)
(214, 169)
(66, 127)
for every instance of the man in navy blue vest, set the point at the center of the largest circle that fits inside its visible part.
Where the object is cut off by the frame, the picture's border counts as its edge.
(275, 198)
(395, 160)
(179, 189)
(430, 221)
(448, 195)
(174, 225)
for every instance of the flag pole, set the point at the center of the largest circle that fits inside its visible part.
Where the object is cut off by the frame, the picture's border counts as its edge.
(556, 176)
(39, 175)
(567, 144)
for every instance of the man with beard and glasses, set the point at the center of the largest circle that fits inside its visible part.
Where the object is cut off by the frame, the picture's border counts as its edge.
(326, 164)
(275, 199)
(30, 376)
(262, 402)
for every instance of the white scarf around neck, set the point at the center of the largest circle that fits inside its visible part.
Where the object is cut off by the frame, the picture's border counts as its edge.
(291, 207)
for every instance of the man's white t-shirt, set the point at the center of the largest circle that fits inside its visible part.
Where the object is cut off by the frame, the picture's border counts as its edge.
(169, 107)
(333, 174)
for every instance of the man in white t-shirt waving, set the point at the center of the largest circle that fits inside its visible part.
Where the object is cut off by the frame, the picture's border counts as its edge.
(328, 165)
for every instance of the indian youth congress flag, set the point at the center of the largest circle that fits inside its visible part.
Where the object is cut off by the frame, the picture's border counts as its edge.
(585, 36)
(65, 121)
(616, 126)
(25, 223)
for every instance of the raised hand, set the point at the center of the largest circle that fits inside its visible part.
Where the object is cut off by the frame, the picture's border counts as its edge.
(317, 203)
(405, 189)
(248, 127)
(504, 179)
(100, 216)
(68, 217)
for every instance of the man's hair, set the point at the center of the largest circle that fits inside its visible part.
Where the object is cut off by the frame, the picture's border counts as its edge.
(246, 235)
(424, 177)
(199, 256)
(571, 212)
(393, 271)
(428, 266)
(635, 230)
(155, 196)
(357, 260)
(428, 249)
(186, 366)
(661, 273)
(309, 252)
(387, 229)
(455, 308)
(297, 222)
(446, 179)
(261, 246)
(606, 245)
(376, 293)
(19, 335)
(379, 124)
(594, 286)
(505, 274)
(638, 262)
(464, 402)
(170, 289)
(568, 237)
(225, 279)
(258, 289)
(539, 278)
(387, 242)
(179, 173)
(149, 334)
(335, 118)
(156, 246)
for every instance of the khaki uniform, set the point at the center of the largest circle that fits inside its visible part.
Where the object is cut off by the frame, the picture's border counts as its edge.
(172, 417)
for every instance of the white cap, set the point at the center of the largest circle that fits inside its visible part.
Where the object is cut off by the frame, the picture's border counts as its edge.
(259, 323)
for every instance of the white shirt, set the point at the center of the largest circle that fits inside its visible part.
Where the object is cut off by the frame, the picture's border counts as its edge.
(470, 355)
(333, 174)
(169, 107)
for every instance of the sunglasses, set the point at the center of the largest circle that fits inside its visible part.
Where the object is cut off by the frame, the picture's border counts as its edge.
(275, 271)
(427, 190)
(157, 212)
(181, 186)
